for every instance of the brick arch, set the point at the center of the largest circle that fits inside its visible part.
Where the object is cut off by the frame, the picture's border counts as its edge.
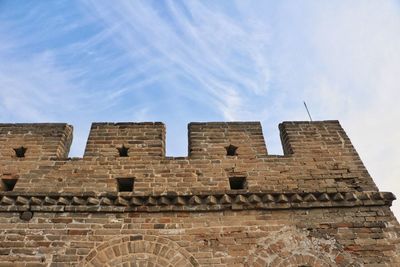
(292, 247)
(139, 250)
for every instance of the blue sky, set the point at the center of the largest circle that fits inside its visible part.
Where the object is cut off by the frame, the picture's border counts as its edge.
(182, 61)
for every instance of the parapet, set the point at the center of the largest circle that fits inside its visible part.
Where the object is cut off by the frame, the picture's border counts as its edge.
(222, 156)
(35, 140)
(146, 140)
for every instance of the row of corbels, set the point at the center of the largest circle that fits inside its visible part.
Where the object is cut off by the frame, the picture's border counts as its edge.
(193, 200)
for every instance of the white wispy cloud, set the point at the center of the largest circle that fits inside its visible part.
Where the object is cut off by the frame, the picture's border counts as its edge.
(28, 85)
(197, 42)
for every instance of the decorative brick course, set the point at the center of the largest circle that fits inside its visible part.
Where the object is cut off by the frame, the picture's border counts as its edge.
(316, 205)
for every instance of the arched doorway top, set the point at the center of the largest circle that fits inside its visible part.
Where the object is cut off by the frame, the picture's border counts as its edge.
(139, 250)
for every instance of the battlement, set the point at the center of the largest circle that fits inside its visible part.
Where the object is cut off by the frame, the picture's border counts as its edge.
(126, 139)
(35, 140)
(222, 156)
(146, 140)
(225, 139)
(320, 137)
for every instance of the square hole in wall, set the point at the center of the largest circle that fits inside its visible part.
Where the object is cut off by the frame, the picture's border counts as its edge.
(8, 184)
(237, 182)
(125, 184)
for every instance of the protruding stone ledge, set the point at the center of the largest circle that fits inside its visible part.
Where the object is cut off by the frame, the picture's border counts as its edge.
(109, 202)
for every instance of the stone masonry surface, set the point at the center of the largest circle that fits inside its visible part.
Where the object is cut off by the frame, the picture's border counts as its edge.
(228, 203)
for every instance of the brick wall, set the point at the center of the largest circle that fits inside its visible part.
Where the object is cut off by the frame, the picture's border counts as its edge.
(228, 238)
(228, 203)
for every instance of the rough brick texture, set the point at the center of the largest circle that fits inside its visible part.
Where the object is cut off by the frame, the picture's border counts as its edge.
(209, 140)
(228, 203)
(144, 140)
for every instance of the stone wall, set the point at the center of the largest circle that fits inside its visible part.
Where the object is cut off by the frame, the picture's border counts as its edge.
(228, 203)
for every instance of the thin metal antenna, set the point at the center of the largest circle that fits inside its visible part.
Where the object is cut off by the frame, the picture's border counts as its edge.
(308, 112)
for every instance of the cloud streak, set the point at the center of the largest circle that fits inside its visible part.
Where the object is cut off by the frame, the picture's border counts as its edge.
(199, 44)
